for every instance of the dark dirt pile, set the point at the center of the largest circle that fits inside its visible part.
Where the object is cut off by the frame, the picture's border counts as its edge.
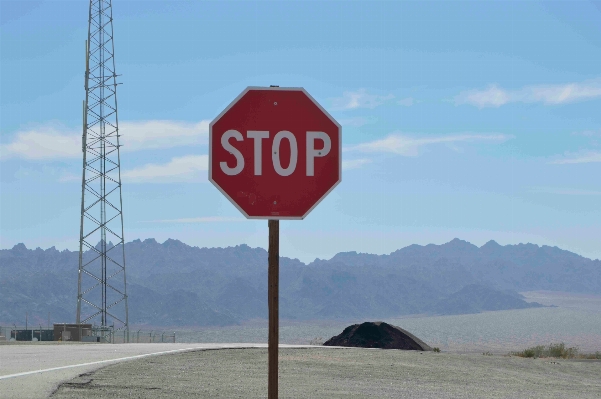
(377, 335)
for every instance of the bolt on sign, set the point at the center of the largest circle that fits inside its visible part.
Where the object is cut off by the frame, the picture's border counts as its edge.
(275, 153)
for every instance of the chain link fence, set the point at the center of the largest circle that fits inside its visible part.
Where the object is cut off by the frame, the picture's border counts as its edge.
(26, 333)
(106, 335)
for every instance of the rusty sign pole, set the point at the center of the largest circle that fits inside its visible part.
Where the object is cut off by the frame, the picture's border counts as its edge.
(273, 302)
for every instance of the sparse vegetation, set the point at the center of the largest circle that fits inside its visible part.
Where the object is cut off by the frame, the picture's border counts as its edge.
(436, 349)
(556, 351)
(486, 353)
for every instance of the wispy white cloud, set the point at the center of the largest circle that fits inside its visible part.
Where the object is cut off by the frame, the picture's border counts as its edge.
(406, 102)
(580, 157)
(588, 133)
(495, 96)
(359, 99)
(205, 219)
(144, 135)
(44, 142)
(52, 141)
(357, 121)
(564, 191)
(180, 169)
(69, 177)
(355, 163)
(410, 146)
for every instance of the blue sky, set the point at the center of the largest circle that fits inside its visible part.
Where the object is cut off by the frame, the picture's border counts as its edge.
(476, 120)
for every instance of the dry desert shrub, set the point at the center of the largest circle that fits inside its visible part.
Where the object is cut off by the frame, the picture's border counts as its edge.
(560, 351)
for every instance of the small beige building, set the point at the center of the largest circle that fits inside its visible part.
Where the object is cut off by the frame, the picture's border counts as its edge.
(70, 332)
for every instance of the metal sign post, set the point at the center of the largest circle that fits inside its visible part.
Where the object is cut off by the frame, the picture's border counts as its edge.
(273, 279)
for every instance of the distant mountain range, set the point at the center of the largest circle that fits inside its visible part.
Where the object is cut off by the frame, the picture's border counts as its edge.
(176, 284)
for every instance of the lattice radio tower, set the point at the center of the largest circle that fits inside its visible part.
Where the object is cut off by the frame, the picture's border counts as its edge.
(101, 288)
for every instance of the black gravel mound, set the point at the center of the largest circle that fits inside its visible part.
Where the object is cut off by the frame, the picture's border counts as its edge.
(377, 335)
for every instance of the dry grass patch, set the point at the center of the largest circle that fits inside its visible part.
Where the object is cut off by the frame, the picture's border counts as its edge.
(559, 351)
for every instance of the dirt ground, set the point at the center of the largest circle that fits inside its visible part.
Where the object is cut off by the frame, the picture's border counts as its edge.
(339, 373)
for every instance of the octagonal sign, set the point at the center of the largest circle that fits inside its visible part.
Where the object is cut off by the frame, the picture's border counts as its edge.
(275, 153)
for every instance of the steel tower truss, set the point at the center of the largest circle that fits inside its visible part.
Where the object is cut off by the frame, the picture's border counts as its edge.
(102, 295)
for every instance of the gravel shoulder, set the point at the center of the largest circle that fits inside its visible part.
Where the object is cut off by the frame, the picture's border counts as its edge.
(339, 373)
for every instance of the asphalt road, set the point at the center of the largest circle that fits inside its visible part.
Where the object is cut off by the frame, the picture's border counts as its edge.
(34, 370)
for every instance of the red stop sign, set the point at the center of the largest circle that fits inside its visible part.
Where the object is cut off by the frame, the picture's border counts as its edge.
(275, 153)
